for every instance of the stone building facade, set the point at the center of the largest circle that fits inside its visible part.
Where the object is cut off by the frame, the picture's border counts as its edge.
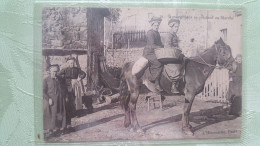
(73, 31)
(198, 30)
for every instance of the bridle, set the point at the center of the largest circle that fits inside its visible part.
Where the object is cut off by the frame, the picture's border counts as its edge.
(211, 65)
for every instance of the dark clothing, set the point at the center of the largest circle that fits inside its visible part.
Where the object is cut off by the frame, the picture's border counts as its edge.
(155, 68)
(171, 40)
(54, 116)
(154, 39)
(71, 73)
(174, 69)
(68, 74)
(70, 107)
(235, 85)
(153, 42)
(236, 75)
(235, 90)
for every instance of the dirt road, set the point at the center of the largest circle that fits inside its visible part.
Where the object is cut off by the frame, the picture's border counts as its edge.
(209, 120)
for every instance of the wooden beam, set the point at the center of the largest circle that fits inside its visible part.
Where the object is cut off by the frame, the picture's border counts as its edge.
(63, 52)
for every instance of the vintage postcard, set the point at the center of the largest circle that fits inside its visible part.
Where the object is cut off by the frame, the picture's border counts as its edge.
(115, 74)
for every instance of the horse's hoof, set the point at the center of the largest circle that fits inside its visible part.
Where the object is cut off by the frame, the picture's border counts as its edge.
(126, 124)
(189, 126)
(187, 131)
(131, 129)
(140, 131)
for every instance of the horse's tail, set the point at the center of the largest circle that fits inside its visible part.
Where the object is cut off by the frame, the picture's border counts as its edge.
(123, 89)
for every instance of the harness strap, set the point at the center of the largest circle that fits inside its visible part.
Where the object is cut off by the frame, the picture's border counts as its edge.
(204, 62)
(210, 65)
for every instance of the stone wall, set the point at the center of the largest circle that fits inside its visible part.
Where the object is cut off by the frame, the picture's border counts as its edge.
(118, 57)
(64, 28)
(198, 30)
(74, 28)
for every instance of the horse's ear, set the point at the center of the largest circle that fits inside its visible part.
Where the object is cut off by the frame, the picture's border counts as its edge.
(220, 41)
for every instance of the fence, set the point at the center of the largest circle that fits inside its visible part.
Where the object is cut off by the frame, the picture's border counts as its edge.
(216, 87)
(129, 39)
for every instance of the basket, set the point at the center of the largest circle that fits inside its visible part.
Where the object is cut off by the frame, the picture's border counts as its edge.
(165, 53)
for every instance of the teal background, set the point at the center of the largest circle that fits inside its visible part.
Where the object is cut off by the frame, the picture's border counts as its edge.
(20, 69)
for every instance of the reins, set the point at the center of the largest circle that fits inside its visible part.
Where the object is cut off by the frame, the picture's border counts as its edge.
(205, 63)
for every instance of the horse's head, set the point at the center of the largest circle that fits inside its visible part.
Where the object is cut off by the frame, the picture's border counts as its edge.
(224, 54)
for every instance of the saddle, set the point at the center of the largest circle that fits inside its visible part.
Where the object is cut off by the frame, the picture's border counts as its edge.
(167, 56)
(173, 70)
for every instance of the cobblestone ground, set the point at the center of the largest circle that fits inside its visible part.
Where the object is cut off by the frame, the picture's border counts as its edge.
(209, 120)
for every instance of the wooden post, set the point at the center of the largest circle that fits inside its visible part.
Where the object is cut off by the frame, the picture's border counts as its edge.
(89, 69)
(112, 34)
(220, 87)
(148, 103)
(128, 44)
(216, 85)
(153, 103)
(161, 103)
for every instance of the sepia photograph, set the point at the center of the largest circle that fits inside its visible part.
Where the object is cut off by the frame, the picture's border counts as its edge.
(141, 74)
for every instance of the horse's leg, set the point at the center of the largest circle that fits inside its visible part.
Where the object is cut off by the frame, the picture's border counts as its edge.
(186, 127)
(132, 107)
(134, 94)
(126, 97)
(127, 121)
(162, 98)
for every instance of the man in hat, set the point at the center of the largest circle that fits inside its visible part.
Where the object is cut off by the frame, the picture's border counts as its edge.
(153, 42)
(54, 113)
(172, 42)
(70, 73)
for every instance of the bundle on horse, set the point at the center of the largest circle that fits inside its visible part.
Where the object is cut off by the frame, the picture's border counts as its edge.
(197, 70)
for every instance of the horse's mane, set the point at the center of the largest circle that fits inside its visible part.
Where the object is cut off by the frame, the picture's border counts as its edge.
(198, 56)
(219, 42)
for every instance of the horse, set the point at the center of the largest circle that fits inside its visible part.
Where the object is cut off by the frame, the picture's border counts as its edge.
(197, 70)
